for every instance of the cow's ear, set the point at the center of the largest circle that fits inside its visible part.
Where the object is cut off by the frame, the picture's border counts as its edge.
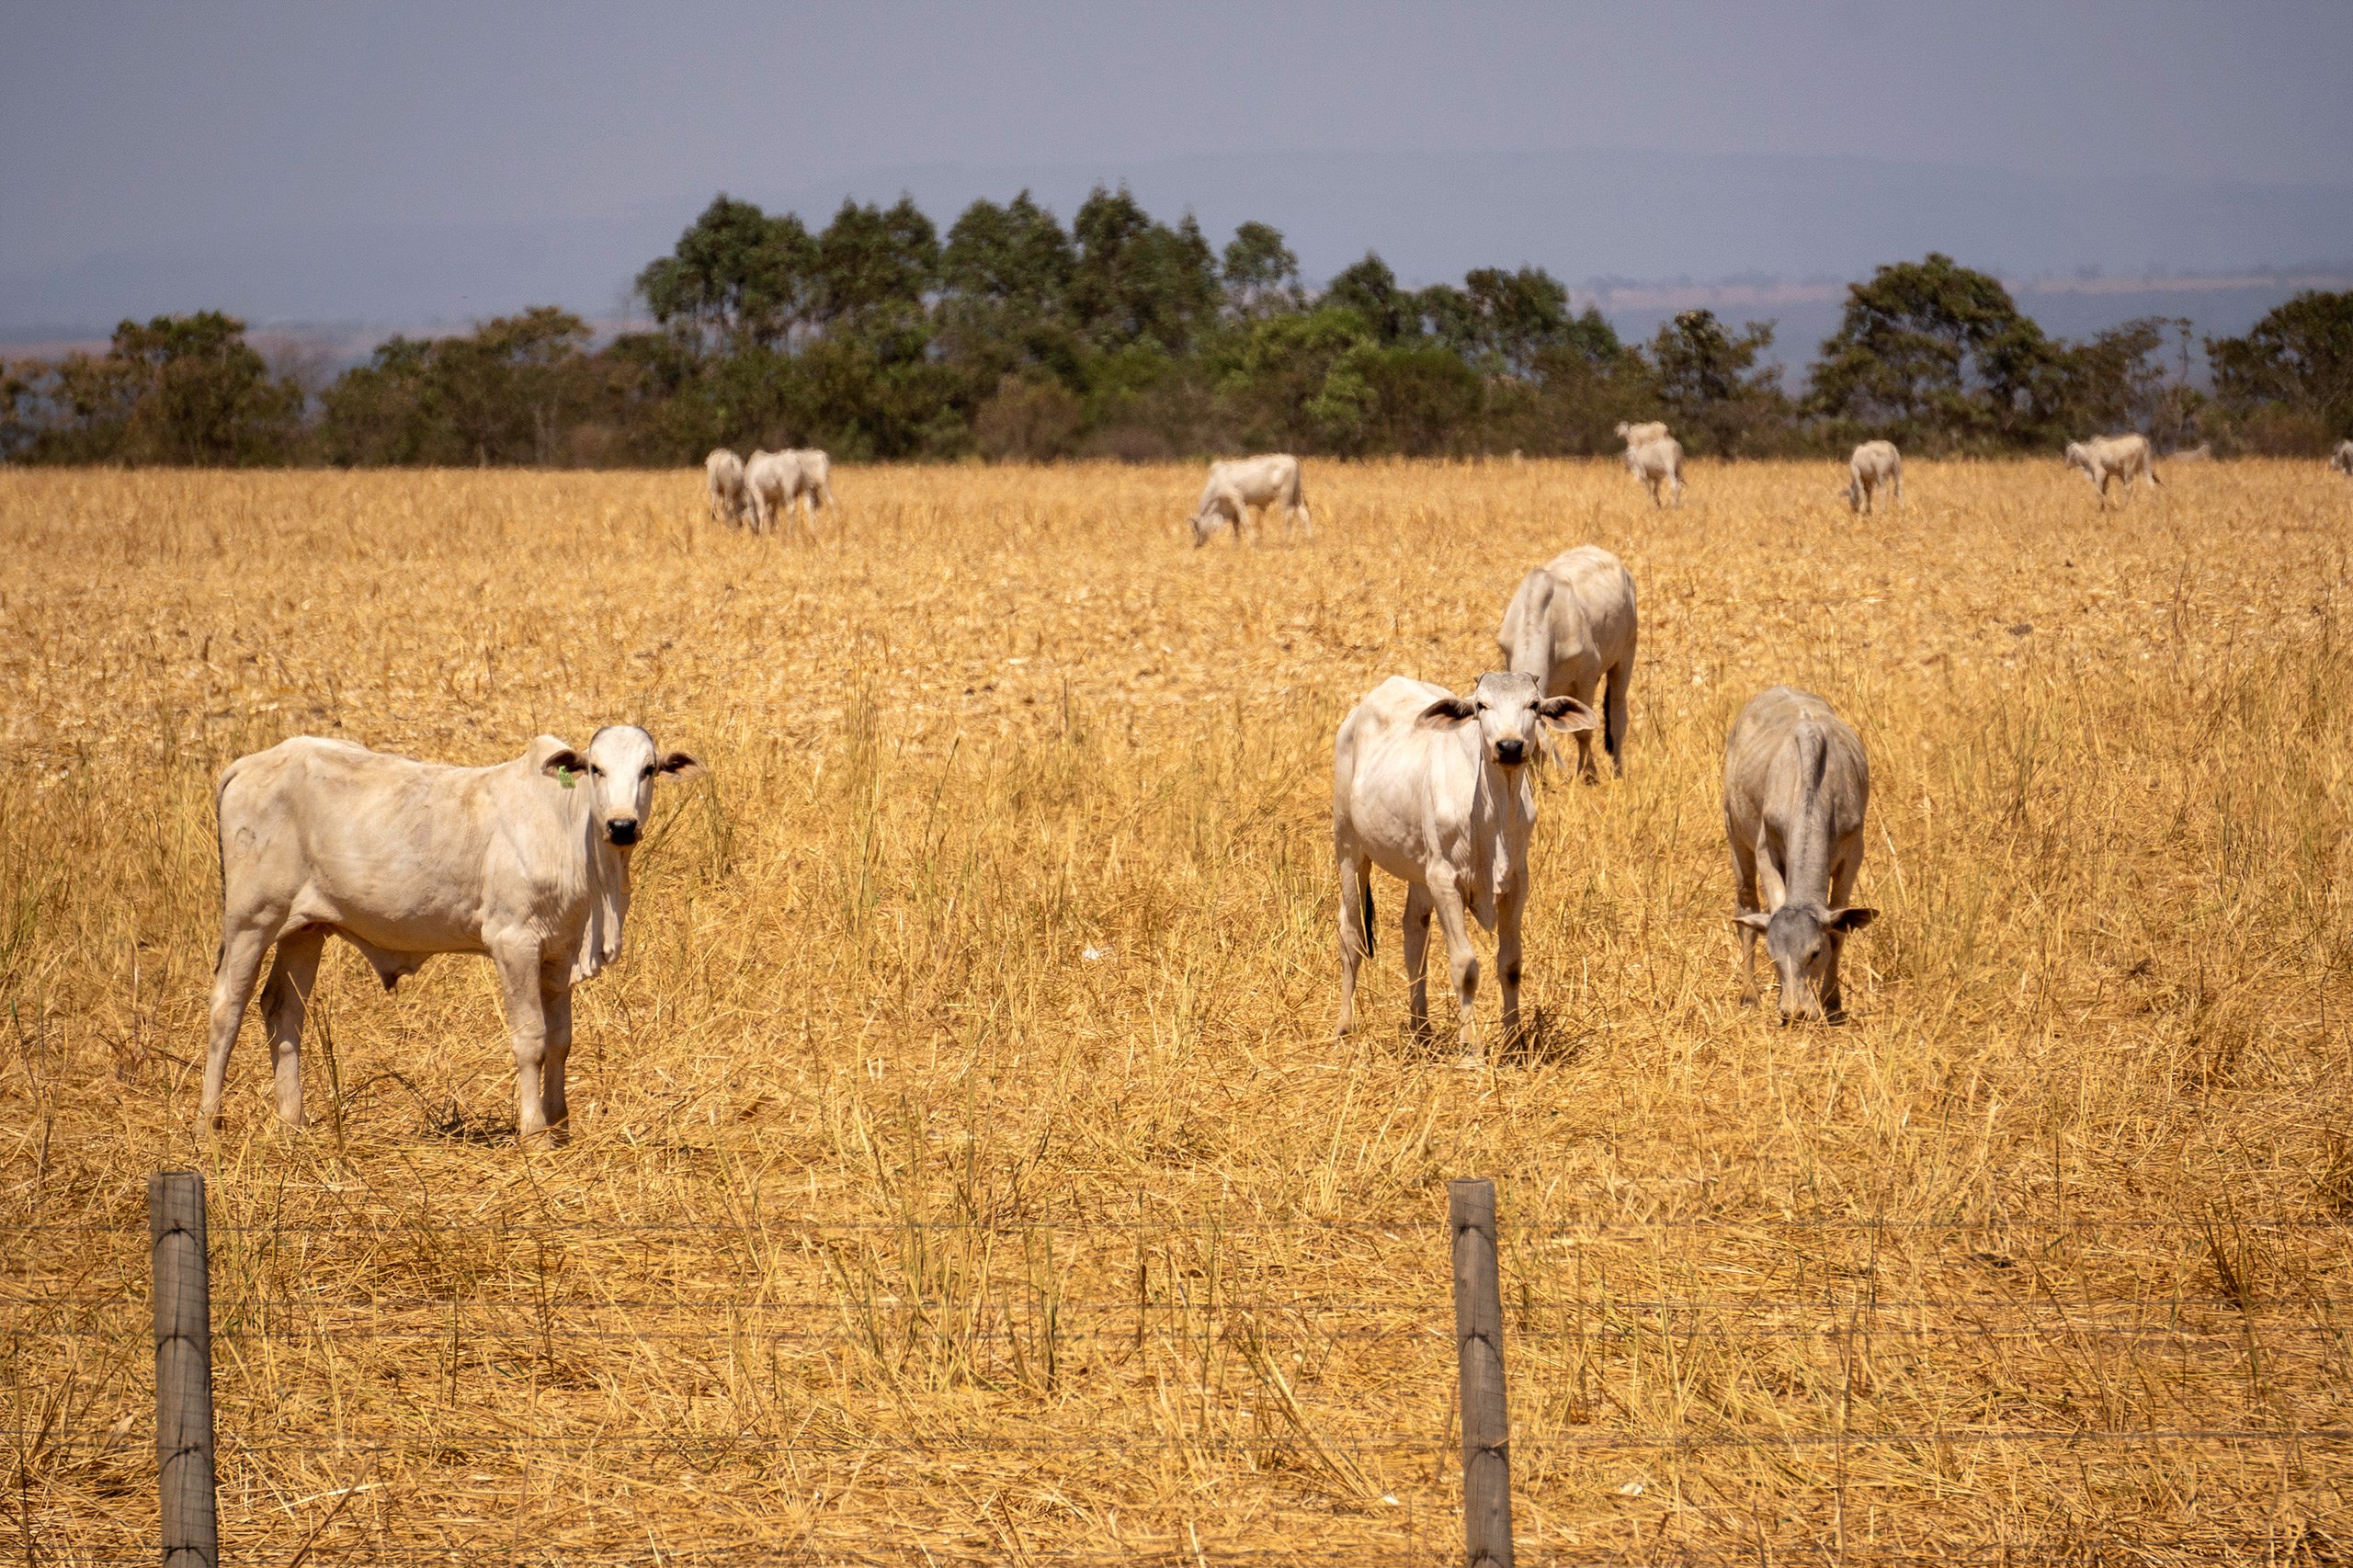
(1448, 711)
(1851, 919)
(1565, 714)
(563, 760)
(681, 766)
(1753, 919)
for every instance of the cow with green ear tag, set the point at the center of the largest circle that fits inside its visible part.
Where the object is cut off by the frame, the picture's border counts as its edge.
(1435, 790)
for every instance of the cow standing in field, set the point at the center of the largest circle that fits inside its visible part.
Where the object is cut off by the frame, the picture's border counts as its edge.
(723, 475)
(2341, 460)
(1875, 466)
(778, 480)
(527, 862)
(1659, 465)
(1572, 626)
(2104, 458)
(1796, 786)
(1235, 487)
(1434, 789)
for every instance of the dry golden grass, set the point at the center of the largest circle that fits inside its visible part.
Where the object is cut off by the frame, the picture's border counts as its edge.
(897, 1229)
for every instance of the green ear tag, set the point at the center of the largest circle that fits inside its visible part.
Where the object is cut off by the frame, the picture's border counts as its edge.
(563, 776)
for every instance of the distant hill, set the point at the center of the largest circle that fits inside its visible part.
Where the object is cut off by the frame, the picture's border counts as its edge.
(1787, 228)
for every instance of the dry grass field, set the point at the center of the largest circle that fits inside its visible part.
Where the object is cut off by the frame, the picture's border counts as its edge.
(962, 1166)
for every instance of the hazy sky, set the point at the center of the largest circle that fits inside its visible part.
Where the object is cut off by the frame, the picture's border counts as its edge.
(218, 131)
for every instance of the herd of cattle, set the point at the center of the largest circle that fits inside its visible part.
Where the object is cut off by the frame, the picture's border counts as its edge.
(528, 862)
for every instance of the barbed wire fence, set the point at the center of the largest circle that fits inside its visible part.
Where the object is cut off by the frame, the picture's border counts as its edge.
(1472, 1443)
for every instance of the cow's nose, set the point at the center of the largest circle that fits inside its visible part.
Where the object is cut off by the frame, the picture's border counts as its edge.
(622, 830)
(1510, 753)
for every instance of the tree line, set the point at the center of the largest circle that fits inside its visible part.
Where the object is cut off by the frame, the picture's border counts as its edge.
(1011, 336)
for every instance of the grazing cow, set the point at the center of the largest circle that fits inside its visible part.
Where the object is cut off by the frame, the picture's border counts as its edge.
(527, 862)
(1571, 625)
(1644, 434)
(1658, 464)
(2341, 460)
(777, 480)
(1434, 790)
(1235, 487)
(722, 476)
(1876, 465)
(1796, 786)
(2104, 458)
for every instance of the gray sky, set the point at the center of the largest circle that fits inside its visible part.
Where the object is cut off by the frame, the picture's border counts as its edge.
(382, 158)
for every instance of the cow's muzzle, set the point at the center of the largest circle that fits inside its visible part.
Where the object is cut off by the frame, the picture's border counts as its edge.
(1511, 754)
(622, 831)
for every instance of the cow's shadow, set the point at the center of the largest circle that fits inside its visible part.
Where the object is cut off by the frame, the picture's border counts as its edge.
(1544, 1038)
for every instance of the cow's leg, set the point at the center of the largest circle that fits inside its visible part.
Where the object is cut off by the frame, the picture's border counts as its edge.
(1356, 930)
(1842, 884)
(555, 1012)
(285, 1000)
(518, 963)
(1463, 963)
(1613, 713)
(242, 950)
(1417, 953)
(1744, 893)
(1509, 908)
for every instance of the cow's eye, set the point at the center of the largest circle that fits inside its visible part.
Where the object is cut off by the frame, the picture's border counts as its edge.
(649, 771)
(596, 772)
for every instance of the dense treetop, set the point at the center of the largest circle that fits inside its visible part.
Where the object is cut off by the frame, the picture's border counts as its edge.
(876, 336)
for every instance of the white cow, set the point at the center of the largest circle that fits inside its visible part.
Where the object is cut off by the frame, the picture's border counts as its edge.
(1644, 434)
(1434, 789)
(722, 476)
(1875, 466)
(527, 862)
(2104, 458)
(1658, 464)
(777, 480)
(1796, 786)
(1235, 487)
(2341, 460)
(1572, 626)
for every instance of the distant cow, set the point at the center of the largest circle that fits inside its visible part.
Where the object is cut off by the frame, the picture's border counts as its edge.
(1434, 790)
(723, 475)
(1796, 785)
(1876, 465)
(1644, 434)
(1572, 626)
(527, 862)
(2104, 458)
(1235, 487)
(2341, 460)
(1658, 464)
(777, 480)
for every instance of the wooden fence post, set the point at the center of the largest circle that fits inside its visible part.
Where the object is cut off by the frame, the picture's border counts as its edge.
(183, 1369)
(1478, 1350)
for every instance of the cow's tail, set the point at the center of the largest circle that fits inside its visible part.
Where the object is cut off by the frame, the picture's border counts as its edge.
(1356, 903)
(220, 856)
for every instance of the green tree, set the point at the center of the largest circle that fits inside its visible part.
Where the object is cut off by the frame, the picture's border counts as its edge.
(1369, 288)
(1718, 398)
(2293, 372)
(1933, 354)
(743, 277)
(1261, 274)
(1137, 279)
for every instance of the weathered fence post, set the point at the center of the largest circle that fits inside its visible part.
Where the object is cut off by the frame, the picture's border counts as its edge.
(1478, 1350)
(183, 1369)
